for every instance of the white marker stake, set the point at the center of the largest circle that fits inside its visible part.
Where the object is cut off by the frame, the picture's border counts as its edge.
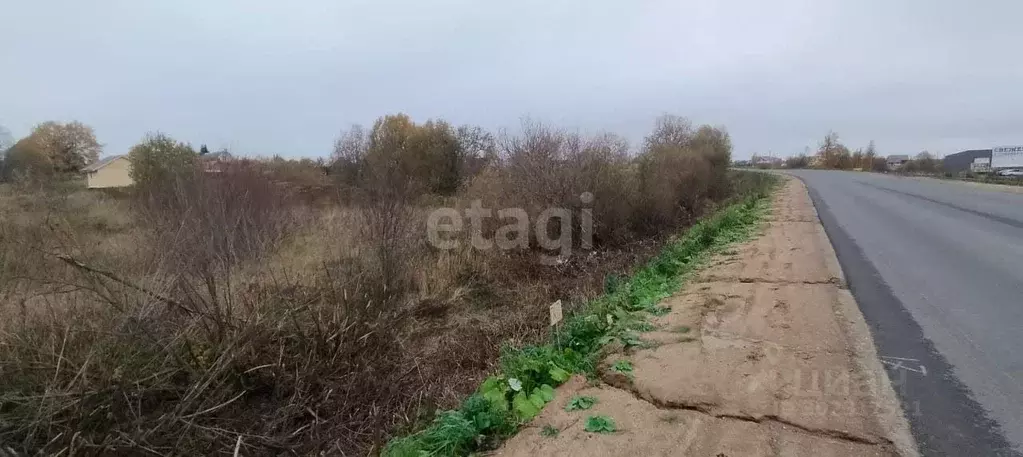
(556, 317)
(556, 314)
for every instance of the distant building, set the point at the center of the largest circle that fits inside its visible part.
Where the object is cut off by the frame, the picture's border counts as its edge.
(961, 161)
(114, 171)
(767, 161)
(896, 161)
(215, 162)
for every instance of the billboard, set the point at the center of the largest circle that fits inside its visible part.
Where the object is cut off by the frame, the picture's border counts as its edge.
(981, 165)
(1007, 157)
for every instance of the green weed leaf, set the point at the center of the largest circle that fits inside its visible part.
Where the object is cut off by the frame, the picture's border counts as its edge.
(600, 424)
(523, 407)
(579, 403)
(622, 366)
(546, 392)
(558, 374)
(536, 398)
(495, 391)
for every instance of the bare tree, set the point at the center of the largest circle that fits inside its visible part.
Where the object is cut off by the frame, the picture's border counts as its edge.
(833, 153)
(349, 152)
(670, 131)
(868, 156)
(351, 145)
(477, 147)
(925, 162)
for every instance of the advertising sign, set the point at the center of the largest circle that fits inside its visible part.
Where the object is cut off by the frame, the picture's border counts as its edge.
(1007, 157)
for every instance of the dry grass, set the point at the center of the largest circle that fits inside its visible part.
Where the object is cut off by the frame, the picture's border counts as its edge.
(235, 311)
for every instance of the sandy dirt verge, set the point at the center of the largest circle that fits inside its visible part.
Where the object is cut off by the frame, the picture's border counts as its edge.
(763, 354)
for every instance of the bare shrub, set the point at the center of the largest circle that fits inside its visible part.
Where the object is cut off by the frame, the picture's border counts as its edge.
(180, 358)
(533, 164)
(302, 173)
(678, 171)
(543, 167)
(795, 162)
(923, 162)
(674, 184)
(217, 312)
(715, 145)
(601, 166)
(668, 185)
(214, 219)
(879, 164)
(388, 226)
(301, 369)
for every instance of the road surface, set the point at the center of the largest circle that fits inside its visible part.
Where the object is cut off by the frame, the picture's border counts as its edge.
(937, 269)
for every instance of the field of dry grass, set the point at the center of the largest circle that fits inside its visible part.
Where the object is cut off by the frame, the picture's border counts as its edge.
(241, 312)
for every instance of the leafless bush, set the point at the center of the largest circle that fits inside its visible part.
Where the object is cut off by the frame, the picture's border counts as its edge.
(795, 162)
(300, 369)
(543, 167)
(667, 185)
(879, 164)
(680, 170)
(205, 220)
(216, 315)
(183, 359)
(674, 187)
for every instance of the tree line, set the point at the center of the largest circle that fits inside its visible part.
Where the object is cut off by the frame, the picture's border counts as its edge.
(833, 155)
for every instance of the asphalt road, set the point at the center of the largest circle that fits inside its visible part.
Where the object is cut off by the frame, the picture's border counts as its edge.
(937, 269)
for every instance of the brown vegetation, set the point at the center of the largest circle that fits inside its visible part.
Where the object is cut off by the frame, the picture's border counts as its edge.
(270, 308)
(52, 148)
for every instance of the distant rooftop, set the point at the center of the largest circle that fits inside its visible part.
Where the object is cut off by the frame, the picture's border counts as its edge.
(100, 163)
(219, 155)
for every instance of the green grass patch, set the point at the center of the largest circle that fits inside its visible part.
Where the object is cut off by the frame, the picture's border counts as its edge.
(528, 375)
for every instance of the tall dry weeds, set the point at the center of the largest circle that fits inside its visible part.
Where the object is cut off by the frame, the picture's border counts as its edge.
(223, 312)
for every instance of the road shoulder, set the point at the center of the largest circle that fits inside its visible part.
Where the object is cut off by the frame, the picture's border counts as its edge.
(763, 353)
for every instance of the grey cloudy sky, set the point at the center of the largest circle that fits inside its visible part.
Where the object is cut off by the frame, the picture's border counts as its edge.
(263, 77)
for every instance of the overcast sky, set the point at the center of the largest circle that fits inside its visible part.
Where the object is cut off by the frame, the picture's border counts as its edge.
(263, 77)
